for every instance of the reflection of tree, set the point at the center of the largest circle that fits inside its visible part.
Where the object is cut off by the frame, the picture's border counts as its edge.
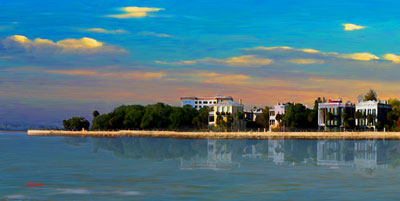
(152, 148)
(367, 155)
(75, 141)
(298, 150)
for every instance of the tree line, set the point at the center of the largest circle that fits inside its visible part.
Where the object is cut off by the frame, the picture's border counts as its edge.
(155, 116)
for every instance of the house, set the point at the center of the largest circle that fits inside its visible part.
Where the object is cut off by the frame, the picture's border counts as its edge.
(225, 110)
(279, 108)
(369, 114)
(330, 114)
(253, 113)
(201, 102)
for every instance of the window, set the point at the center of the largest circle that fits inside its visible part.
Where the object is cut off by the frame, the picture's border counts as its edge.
(195, 102)
(211, 119)
(204, 102)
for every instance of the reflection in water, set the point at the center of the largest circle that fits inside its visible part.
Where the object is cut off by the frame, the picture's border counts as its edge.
(365, 155)
(219, 156)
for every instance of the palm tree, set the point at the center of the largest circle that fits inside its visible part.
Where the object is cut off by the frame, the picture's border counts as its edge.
(239, 116)
(345, 118)
(219, 121)
(229, 121)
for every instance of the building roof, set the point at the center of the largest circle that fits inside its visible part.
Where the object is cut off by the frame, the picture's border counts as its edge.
(227, 103)
(207, 98)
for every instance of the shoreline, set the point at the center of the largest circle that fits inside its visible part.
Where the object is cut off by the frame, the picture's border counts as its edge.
(223, 135)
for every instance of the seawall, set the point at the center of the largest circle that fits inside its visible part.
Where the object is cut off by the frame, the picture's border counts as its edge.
(222, 135)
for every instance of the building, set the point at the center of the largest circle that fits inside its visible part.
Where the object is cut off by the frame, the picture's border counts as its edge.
(201, 102)
(279, 108)
(224, 109)
(253, 113)
(375, 111)
(330, 114)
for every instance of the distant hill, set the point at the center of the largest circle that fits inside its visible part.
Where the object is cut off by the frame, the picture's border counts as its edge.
(22, 127)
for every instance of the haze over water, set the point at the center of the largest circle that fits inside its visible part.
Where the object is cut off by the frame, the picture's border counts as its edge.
(172, 169)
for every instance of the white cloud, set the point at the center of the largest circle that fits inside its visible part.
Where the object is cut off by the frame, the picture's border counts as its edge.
(160, 35)
(240, 61)
(105, 31)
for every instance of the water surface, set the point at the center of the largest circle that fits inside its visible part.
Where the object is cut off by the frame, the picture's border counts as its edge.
(71, 168)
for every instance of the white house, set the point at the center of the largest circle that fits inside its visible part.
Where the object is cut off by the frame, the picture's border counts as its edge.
(376, 109)
(201, 102)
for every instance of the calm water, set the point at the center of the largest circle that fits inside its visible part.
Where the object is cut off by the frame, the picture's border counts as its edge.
(170, 169)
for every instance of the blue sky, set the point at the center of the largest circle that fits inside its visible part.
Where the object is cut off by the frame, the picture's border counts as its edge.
(98, 54)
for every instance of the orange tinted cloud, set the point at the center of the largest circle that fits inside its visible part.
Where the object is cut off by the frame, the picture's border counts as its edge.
(127, 75)
(240, 61)
(135, 12)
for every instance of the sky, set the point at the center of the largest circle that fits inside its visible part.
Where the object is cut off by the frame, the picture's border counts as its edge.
(67, 58)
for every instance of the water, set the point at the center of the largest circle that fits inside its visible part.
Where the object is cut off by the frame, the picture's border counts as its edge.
(171, 169)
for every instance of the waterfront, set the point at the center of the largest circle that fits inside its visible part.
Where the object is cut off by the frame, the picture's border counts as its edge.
(364, 135)
(74, 168)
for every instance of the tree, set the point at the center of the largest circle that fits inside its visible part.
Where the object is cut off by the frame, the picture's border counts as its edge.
(201, 120)
(369, 96)
(76, 123)
(219, 122)
(240, 116)
(133, 117)
(370, 119)
(345, 119)
(229, 121)
(296, 116)
(278, 117)
(95, 114)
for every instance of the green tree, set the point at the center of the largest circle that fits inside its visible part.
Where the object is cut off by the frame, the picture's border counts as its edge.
(240, 116)
(133, 117)
(219, 122)
(201, 121)
(296, 116)
(279, 118)
(229, 121)
(370, 119)
(95, 114)
(76, 123)
(370, 95)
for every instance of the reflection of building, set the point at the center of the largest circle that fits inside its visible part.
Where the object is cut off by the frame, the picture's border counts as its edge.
(332, 153)
(375, 109)
(218, 157)
(366, 155)
(330, 113)
(253, 153)
(276, 151)
(200, 102)
(279, 108)
(225, 110)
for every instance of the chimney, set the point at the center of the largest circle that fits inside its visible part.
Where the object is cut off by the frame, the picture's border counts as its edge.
(240, 102)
